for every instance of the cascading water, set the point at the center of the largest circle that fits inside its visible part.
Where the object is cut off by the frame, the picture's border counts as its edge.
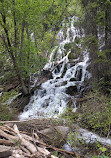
(52, 98)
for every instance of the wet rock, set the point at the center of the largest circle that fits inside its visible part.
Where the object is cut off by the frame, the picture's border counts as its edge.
(47, 74)
(41, 92)
(73, 79)
(72, 90)
(5, 151)
(73, 102)
(57, 69)
(67, 147)
(79, 74)
(46, 103)
(64, 83)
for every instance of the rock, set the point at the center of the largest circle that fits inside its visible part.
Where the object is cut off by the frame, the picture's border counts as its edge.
(67, 147)
(57, 135)
(79, 74)
(1, 89)
(46, 103)
(72, 90)
(5, 151)
(62, 130)
(73, 79)
(47, 74)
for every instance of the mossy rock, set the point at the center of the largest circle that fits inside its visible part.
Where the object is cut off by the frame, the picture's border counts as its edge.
(68, 46)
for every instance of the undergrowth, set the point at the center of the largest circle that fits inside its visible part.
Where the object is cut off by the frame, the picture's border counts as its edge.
(6, 113)
(93, 114)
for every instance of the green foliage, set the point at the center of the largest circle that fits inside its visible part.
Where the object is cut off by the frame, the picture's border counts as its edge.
(101, 156)
(5, 114)
(70, 116)
(101, 18)
(5, 100)
(6, 96)
(75, 8)
(97, 113)
(89, 40)
(28, 32)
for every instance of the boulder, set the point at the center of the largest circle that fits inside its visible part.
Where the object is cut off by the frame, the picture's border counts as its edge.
(47, 74)
(57, 135)
(79, 74)
(72, 90)
(63, 130)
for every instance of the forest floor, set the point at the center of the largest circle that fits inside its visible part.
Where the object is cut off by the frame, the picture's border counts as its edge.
(49, 135)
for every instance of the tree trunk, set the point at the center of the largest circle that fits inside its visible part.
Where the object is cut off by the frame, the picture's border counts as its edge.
(10, 51)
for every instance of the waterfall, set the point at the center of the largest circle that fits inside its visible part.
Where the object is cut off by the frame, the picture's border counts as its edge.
(68, 74)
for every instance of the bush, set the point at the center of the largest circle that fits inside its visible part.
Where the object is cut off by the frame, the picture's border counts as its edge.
(96, 113)
(5, 100)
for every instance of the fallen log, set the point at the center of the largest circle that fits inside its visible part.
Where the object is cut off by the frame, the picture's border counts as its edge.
(56, 149)
(5, 151)
(8, 136)
(6, 142)
(24, 142)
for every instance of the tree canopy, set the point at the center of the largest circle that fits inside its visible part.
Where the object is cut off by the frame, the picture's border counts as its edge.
(28, 30)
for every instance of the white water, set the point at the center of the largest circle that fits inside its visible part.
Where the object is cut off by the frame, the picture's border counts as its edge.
(51, 100)
(90, 137)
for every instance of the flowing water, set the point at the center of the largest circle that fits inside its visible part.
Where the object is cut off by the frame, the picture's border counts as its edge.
(68, 74)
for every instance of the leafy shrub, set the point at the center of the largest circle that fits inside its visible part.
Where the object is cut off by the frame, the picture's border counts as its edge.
(96, 113)
(5, 100)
